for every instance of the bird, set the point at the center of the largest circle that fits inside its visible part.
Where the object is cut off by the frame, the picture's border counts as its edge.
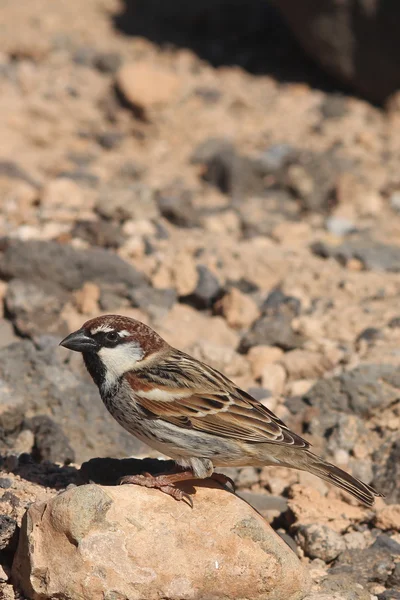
(189, 411)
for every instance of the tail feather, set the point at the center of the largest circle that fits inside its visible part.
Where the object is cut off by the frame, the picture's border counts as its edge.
(328, 472)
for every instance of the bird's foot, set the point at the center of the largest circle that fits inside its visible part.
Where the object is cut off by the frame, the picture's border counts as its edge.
(223, 480)
(165, 483)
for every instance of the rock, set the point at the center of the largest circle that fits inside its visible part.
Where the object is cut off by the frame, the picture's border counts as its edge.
(386, 461)
(175, 204)
(306, 507)
(61, 200)
(63, 265)
(222, 358)
(207, 290)
(189, 560)
(329, 32)
(87, 298)
(274, 330)
(238, 309)
(110, 139)
(154, 301)
(184, 326)
(145, 86)
(121, 203)
(362, 390)
(340, 587)
(273, 378)
(8, 531)
(107, 62)
(35, 307)
(98, 233)
(320, 541)
(50, 441)
(7, 335)
(371, 564)
(224, 168)
(339, 226)
(388, 517)
(311, 178)
(261, 356)
(305, 364)
(373, 256)
(49, 387)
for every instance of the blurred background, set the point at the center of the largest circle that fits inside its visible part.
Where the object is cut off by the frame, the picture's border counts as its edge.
(226, 171)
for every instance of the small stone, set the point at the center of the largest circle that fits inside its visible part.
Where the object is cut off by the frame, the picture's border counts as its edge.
(261, 356)
(50, 442)
(5, 483)
(300, 387)
(238, 309)
(273, 378)
(305, 364)
(388, 517)
(107, 62)
(3, 575)
(8, 529)
(320, 541)
(121, 203)
(110, 139)
(145, 86)
(7, 335)
(61, 199)
(207, 289)
(156, 302)
(176, 205)
(222, 358)
(184, 274)
(247, 477)
(183, 326)
(87, 299)
(339, 226)
(274, 330)
(24, 442)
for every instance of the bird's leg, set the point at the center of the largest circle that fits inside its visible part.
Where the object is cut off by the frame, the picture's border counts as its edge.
(162, 482)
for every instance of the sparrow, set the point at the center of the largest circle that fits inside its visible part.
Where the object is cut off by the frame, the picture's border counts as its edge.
(190, 411)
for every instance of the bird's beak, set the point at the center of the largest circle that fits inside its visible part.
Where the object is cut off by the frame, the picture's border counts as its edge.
(80, 341)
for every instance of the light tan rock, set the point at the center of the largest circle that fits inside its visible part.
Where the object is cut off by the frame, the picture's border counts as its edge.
(146, 86)
(388, 517)
(238, 309)
(184, 326)
(61, 199)
(273, 378)
(308, 507)
(305, 364)
(87, 298)
(222, 358)
(260, 356)
(94, 542)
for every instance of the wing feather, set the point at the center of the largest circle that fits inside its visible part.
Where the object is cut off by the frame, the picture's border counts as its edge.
(213, 404)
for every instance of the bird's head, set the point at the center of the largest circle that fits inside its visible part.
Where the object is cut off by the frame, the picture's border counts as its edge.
(113, 345)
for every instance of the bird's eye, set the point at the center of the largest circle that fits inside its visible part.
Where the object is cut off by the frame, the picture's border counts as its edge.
(112, 336)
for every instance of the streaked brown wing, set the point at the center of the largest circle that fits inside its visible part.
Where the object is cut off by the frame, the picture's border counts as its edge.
(212, 404)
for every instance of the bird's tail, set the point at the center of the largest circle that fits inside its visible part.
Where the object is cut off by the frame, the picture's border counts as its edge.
(328, 472)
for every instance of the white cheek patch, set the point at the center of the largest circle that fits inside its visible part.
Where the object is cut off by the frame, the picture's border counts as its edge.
(119, 360)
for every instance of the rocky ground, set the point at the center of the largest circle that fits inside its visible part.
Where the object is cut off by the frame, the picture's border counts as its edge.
(252, 220)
